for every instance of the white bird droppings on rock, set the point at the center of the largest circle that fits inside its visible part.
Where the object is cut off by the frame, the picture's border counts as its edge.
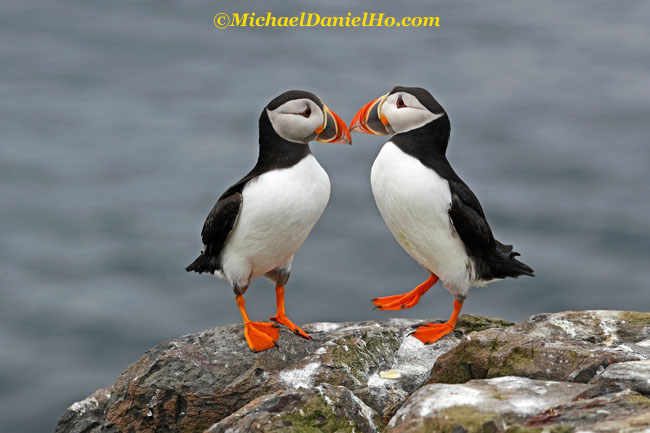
(644, 343)
(84, 405)
(300, 378)
(324, 327)
(566, 326)
(516, 396)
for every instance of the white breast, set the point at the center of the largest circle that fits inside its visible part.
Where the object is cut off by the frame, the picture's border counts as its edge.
(414, 201)
(279, 209)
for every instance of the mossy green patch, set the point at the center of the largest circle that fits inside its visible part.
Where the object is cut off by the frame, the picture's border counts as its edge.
(467, 417)
(464, 363)
(470, 323)
(545, 429)
(635, 328)
(316, 417)
(519, 361)
(637, 401)
(635, 318)
(454, 371)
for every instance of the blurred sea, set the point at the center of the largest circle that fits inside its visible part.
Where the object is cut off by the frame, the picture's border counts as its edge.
(121, 122)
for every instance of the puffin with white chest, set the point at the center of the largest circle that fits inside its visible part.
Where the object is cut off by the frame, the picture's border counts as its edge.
(429, 210)
(258, 224)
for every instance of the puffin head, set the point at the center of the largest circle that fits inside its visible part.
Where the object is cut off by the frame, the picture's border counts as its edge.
(301, 117)
(400, 110)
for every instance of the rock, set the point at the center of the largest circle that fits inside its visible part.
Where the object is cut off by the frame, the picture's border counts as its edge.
(325, 408)
(623, 412)
(191, 383)
(553, 373)
(634, 375)
(570, 346)
(85, 416)
(480, 405)
(356, 355)
(513, 404)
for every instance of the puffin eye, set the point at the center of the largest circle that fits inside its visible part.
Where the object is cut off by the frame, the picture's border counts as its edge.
(307, 112)
(400, 102)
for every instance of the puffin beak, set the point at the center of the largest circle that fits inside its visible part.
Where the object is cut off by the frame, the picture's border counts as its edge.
(333, 129)
(370, 120)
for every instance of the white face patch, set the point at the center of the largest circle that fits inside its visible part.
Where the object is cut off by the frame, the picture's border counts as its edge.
(291, 122)
(410, 116)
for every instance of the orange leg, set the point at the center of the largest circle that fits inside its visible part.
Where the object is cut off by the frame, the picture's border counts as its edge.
(281, 316)
(407, 300)
(259, 335)
(432, 332)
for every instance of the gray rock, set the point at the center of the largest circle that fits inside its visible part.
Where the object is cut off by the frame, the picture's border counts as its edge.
(633, 375)
(85, 416)
(191, 383)
(324, 408)
(623, 412)
(577, 371)
(519, 405)
(378, 361)
(480, 405)
(570, 346)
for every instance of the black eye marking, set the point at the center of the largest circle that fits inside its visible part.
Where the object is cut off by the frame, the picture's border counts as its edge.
(307, 112)
(400, 102)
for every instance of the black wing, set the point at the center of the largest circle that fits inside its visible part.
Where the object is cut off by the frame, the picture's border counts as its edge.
(492, 259)
(216, 230)
(220, 222)
(274, 153)
(469, 220)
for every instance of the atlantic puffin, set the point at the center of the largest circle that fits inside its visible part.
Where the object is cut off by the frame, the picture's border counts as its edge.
(429, 210)
(258, 224)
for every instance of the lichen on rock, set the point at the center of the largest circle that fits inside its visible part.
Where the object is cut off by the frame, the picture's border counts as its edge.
(501, 402)
(571, 346)
(558, 372)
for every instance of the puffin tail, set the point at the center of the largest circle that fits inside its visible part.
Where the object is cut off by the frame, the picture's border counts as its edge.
(511, 266)
(520, 268)
(204, 263)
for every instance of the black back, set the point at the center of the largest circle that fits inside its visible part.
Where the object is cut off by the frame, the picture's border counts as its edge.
(428, 144)
(274, 153)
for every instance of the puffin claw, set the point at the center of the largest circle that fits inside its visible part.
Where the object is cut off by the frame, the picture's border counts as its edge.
(282, 319)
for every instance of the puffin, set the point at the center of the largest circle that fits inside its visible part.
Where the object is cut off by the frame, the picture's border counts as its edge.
(258, 223)
(428, 208)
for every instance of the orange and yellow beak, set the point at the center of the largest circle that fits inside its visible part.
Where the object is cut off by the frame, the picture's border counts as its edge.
(333, 129)
(370, 120)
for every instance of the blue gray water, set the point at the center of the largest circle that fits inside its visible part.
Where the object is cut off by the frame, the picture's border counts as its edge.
(121, 122)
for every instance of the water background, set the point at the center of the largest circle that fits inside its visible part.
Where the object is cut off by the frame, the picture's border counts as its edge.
(121, 122)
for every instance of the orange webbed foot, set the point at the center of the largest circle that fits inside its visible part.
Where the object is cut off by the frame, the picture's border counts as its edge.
(406, 300)
(432, 332)
(282, 319)
(261, 335)
(397, 302)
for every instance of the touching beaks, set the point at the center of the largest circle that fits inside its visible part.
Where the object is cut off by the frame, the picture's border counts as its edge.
(333, 129)
(370, 120)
